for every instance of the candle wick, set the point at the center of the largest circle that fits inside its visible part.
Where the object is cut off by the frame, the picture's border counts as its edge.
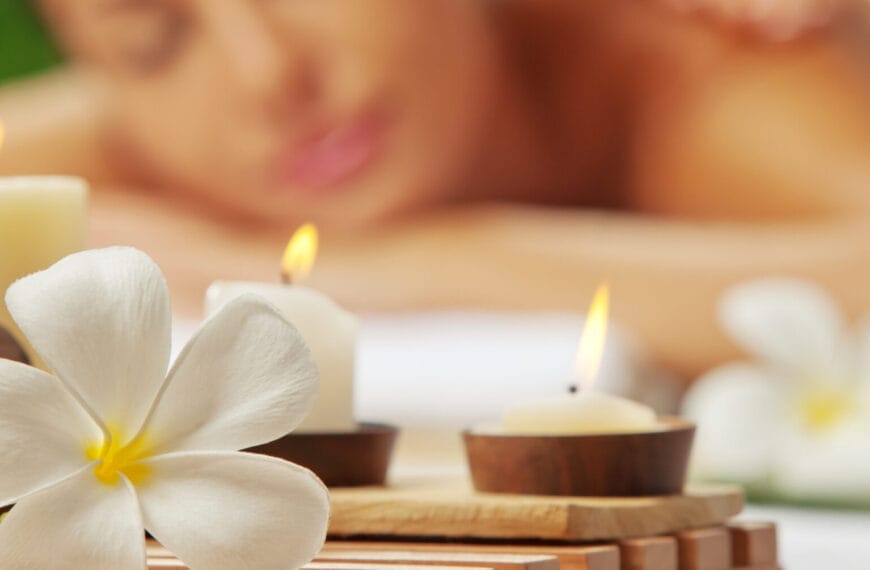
(286, 278)
(573, 389)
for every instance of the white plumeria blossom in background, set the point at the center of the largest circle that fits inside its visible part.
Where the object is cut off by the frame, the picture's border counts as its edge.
(114, 445)
(796, 420)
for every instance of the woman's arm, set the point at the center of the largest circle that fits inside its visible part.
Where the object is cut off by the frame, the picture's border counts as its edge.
(760, 132)
(666, 276)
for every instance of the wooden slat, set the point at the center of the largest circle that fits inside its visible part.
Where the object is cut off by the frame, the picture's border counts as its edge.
(457, 512)
(496, 561)
(161, 563)
(377, 566)
(155, 550)
(753, 543)
(597, 557)
(654, 553)
(173, 563)
(705, 549)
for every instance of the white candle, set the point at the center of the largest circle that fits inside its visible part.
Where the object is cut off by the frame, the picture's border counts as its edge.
(42, 219)
(329, 331)
(587, 411)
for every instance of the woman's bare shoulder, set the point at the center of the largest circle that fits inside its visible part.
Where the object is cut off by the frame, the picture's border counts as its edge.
(755, 129)
(53, 123)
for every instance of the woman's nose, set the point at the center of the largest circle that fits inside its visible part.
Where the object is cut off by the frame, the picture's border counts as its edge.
(263, 68)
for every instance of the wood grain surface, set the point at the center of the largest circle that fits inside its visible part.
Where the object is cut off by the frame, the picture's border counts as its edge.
(572, 557)
(457, 558)
(457, 512)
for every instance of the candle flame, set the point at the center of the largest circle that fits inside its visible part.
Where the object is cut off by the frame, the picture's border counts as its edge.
(300, 254)
(591, 348)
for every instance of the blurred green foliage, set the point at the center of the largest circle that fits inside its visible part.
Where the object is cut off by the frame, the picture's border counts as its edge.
(25, 46)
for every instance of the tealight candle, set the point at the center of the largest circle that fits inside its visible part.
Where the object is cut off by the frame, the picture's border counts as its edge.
(42, 219)
(329, 331)
(584, 411)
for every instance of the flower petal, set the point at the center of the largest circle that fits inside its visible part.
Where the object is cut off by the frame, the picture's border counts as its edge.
(740, 414)
(832, 466)
(43, 431)
(790, 323)
(101, 320)
(78, 523)
(245, 379)
(219, 510)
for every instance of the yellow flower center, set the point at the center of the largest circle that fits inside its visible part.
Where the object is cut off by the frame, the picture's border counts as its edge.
(822, 409)
(116, 460)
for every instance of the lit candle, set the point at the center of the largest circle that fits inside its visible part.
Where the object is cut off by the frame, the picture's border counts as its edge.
(329, 331)
(42, 219)
(584, 411)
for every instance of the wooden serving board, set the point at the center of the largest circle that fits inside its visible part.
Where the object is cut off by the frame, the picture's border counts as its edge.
(455, 512)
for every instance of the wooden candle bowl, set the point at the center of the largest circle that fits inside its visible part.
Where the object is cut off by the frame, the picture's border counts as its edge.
(340, 459)
(597, 465)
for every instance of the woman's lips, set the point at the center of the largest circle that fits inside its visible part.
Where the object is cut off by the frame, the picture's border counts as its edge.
(322, 161)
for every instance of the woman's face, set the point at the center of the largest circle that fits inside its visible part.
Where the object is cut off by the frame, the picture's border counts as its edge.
(340, 111)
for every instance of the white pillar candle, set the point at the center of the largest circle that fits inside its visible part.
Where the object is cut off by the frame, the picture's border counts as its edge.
(329, 331)
(42, 219)
(585, 412)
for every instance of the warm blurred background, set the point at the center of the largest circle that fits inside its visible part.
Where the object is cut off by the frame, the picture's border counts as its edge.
(477, 169)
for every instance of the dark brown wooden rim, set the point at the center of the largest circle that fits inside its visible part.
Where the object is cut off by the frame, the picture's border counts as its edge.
(341, 459)
(592, 465)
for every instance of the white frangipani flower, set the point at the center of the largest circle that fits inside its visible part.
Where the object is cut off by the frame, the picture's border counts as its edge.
(797, 420)
(113, 445)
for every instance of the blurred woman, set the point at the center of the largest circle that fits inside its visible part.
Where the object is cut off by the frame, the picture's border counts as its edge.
(502, 154)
